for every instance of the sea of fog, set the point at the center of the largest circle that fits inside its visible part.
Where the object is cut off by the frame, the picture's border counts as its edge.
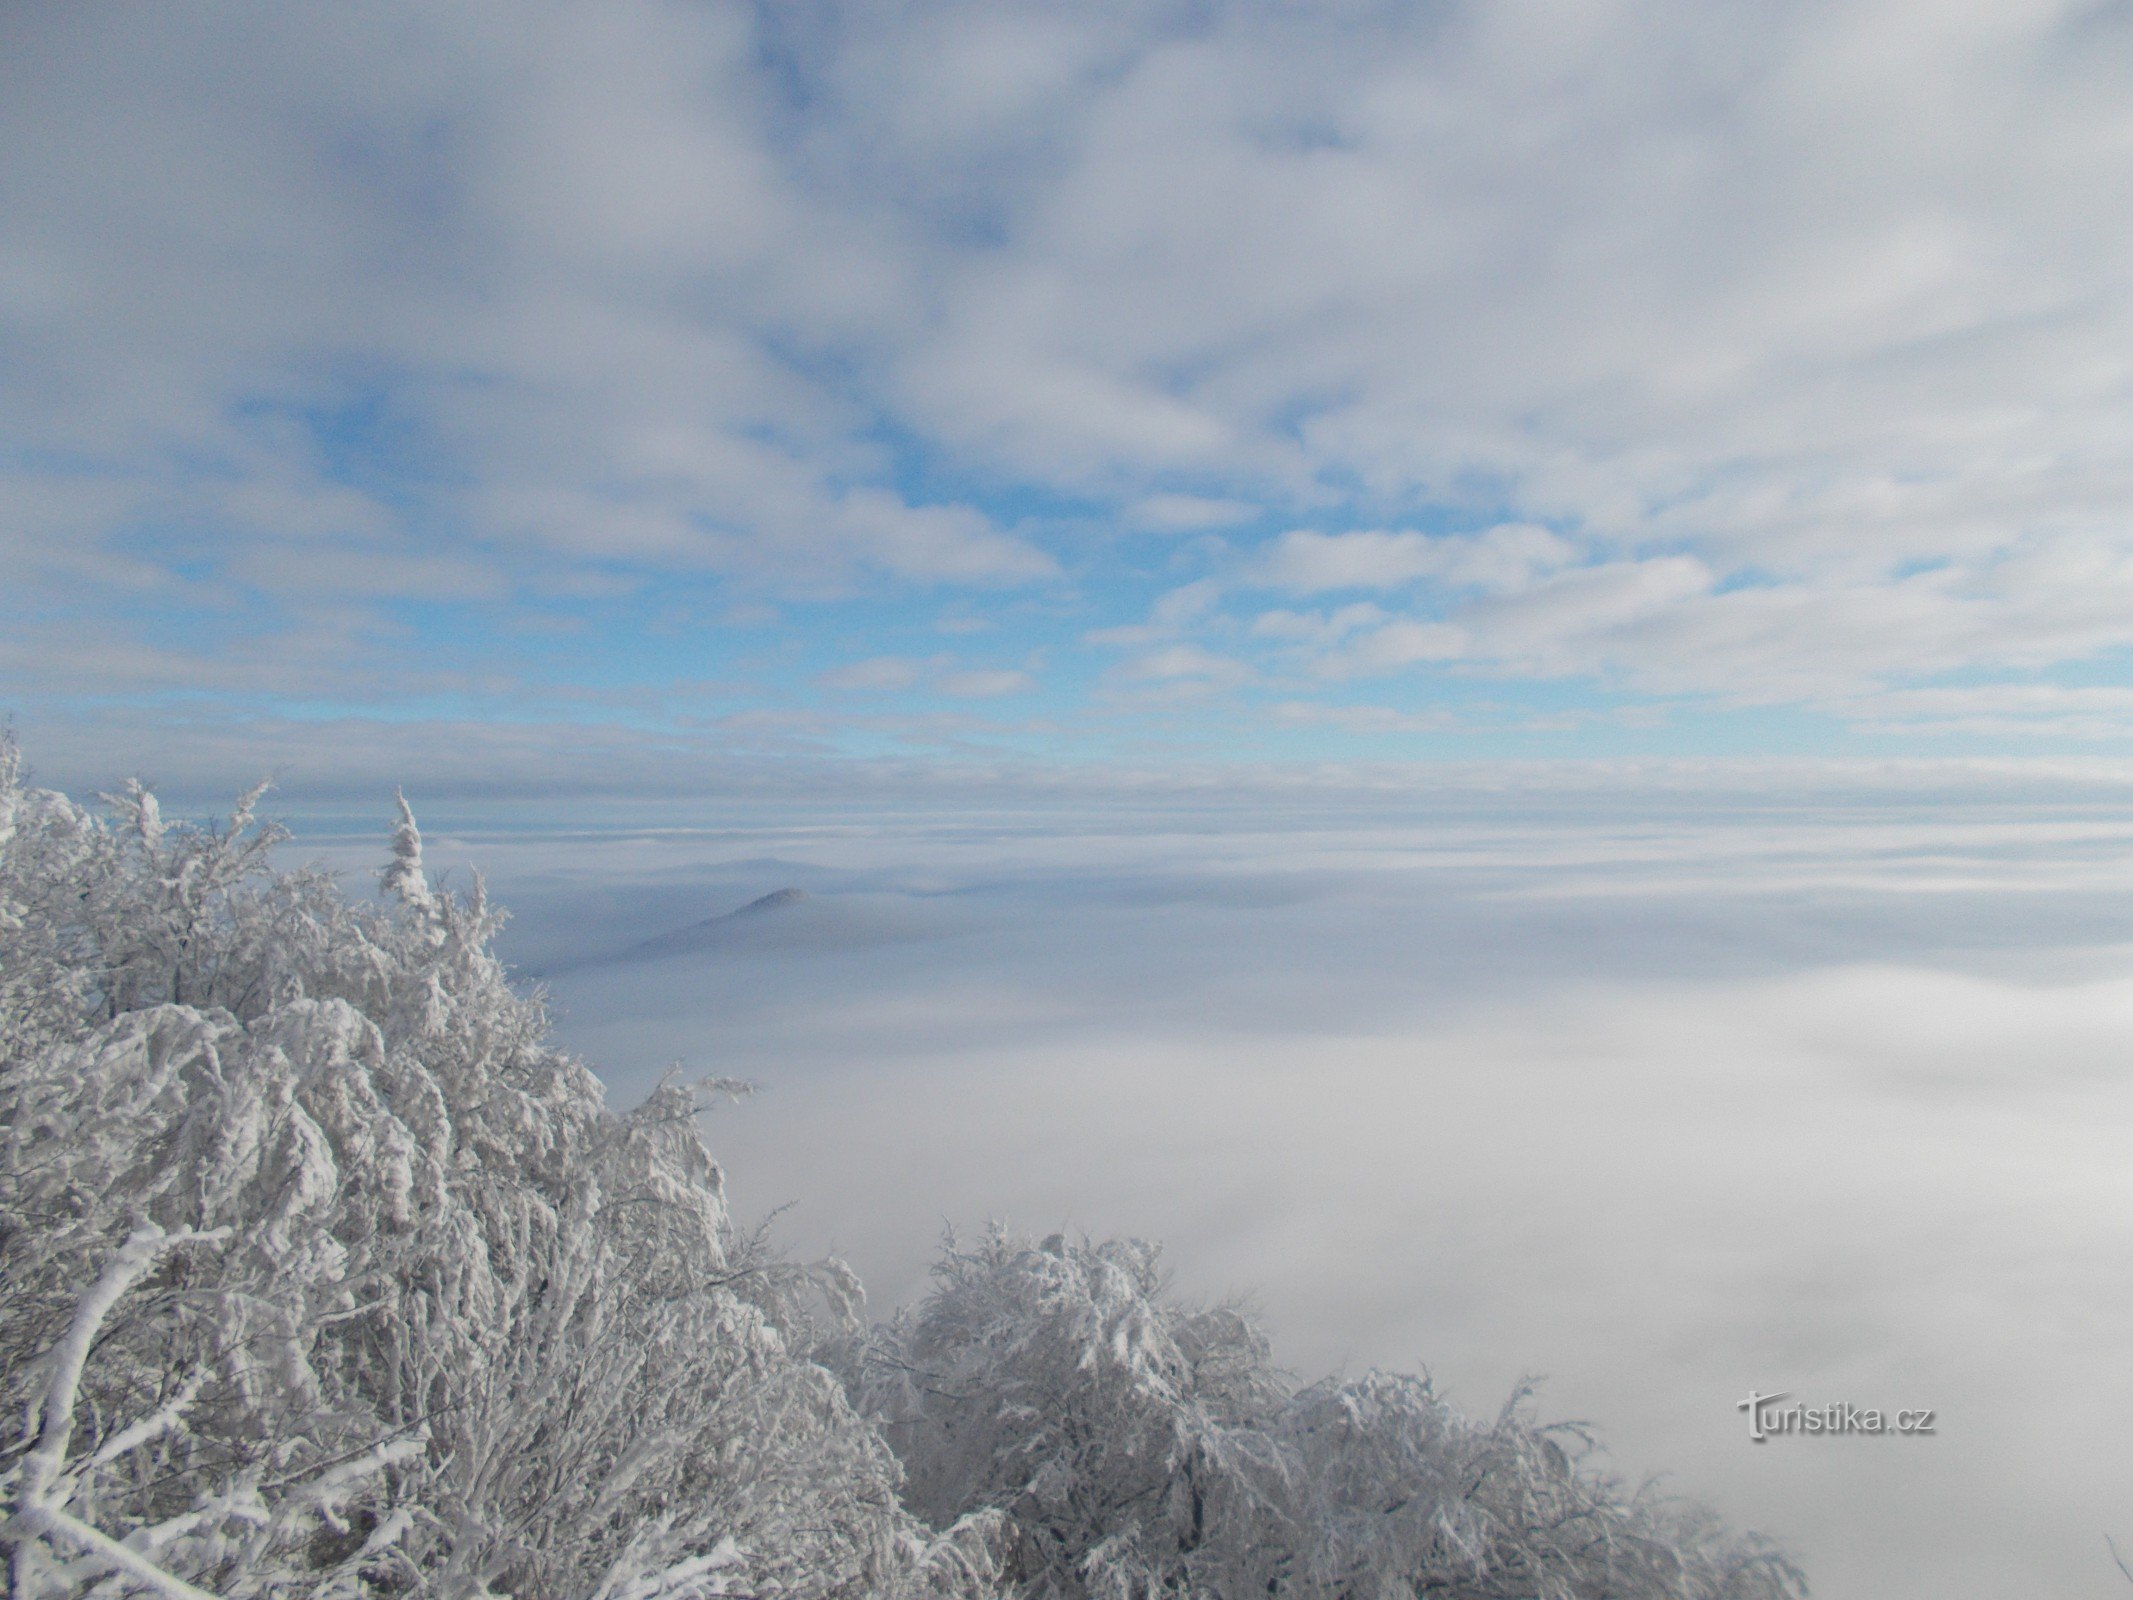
(1661, 1099)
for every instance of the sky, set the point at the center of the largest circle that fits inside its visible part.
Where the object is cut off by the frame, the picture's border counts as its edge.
(417, 392)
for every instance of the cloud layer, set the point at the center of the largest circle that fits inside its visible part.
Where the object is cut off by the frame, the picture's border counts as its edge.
(1707, 358)
(1665, 1096)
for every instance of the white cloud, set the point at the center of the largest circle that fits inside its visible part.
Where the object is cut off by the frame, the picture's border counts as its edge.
(352, 570)
(563, 257)
(2004, 699)
(1185, 661)
(940, 543)
(1594, 620)
(1507, 557)
(1399, 643)
(986, 683)
(2002, 710)
(1316, 627)
(1308, 562)
(879, 672)
(1590, 603)
(941, 672)
(1813, 301)
(1187, 513)
(1173, 612)
(1361, 719)
(1822, 308)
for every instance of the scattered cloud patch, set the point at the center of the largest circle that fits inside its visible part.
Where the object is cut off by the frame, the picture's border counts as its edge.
(1178, 611)
(986, 684)
(1187, 513)
(1361, 719)
(1186, 661)
(1400, 643)
(1316, 627)
(889, 674)
(883, 673)
(2003, 710)
(1308, 563)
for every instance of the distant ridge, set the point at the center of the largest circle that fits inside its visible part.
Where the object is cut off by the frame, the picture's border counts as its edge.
(769, 902)
(707, 931)
(700, 935)
(788, 922)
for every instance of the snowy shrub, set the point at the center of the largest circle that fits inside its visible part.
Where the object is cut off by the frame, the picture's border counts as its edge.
(1115, 1431)
(1140, 1448)
(320, 1273)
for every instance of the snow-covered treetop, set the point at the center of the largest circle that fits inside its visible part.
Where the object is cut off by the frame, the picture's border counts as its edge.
(321, 1272)
(404, 878)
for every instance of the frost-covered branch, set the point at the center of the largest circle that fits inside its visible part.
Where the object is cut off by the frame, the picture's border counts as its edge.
(43, 1485)
(41, 1467)
(51, 1522)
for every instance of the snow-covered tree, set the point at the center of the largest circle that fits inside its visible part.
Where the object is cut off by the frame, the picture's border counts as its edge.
(320, 1273)
(1142, 1448)
(1051, 1382)
(404, 878)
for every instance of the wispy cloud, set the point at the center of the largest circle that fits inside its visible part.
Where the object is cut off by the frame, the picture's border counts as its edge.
(941, 672)
(985, 683)
(1185, 513)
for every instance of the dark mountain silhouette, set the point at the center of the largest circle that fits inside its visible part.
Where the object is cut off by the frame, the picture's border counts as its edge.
(715, 930)
(776, 900)
(790, 921)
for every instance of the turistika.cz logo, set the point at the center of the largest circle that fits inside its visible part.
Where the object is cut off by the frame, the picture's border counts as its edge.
(1768, 1416)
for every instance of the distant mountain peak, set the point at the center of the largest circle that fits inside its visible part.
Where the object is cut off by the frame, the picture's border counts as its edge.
(777, 899)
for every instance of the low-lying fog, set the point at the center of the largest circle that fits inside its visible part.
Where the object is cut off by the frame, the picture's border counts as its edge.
(1835, 1102)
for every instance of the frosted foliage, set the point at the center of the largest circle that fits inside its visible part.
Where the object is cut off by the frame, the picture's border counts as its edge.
(323, 1275)
(1142, 1448)
(320, 1274)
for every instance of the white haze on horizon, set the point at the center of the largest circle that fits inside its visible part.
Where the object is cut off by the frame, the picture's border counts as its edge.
(1664, 1108)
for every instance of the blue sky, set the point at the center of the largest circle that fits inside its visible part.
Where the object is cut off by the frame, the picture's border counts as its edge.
(1027, 385)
